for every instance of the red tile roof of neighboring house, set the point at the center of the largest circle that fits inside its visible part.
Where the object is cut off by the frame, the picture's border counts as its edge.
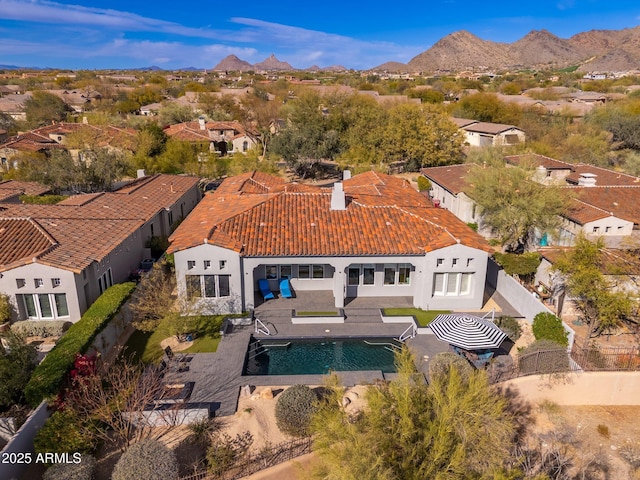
(613, 261)
(26, 188)
(593, 203)
(85, 228)
(535, 160)
(489, 128)
(451, 177)
(262, 217)
(604, 176)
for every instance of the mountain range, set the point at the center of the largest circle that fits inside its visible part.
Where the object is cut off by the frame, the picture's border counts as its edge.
(595, 50)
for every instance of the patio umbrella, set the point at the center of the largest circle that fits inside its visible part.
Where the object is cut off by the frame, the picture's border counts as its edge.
(467, 331)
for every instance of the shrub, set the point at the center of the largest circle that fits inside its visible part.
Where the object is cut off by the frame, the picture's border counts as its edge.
(546, 326)
(41, 328)
(443, 362)
(603, 430)
(524, 265)
(226, 450)
(146, 460)
(50, 374)
(5, 308)
(42, 199)
(72, 471)
(423, 183)
(63, 432)
(17, 363)
(550, 357)
(510, 326)
(294, 409)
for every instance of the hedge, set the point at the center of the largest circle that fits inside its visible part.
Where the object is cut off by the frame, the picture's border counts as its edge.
(49, 376)
(41, 328)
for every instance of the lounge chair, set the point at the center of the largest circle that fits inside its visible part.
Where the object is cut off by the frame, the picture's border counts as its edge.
(263, 283)
(285, 288)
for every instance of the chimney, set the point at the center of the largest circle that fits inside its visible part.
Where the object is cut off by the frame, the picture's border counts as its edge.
(201, 122)
(85, 120)
(140, 173)
(338, 201)
(587, 180)
(346, 175)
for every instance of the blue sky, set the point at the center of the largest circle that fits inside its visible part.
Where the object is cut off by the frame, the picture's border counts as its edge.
(96, 34)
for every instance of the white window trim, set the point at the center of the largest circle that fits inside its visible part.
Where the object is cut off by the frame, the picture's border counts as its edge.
(36, 303)
(457, 293)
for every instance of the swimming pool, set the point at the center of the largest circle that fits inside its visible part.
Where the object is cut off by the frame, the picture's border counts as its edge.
(319, 356)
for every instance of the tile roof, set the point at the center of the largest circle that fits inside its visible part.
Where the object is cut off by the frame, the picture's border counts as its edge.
(593, 203)
(490, 128)
(604, 176)
(22, 239)
(384, 216)
(26, 188)
(451, 177)
(535, 160)
(613, 261)
(88, 227)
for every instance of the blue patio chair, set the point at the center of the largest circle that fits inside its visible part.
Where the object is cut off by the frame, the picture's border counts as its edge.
(263, 283)
(285, 288)
(483, 359)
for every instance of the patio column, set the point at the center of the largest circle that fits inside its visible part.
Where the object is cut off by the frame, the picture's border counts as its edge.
(338, 288)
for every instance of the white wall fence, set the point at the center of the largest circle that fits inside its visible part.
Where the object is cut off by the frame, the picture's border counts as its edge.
(518, 296)
(22, 443)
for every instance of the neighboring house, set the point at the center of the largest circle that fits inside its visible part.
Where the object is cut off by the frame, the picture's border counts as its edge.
(55, 136)
(371, 235)
(78, 100)
(150, 110)
(448, 185)
(10, 190)
(483, 134)
(56, 260)
(605, 203)
(223, 137)
(13, 105)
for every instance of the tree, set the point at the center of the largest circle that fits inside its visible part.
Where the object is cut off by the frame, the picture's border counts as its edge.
(600, 298)
(486, 107)
(147, 460)
(549, 327)
(454, 427)
(43, 108)
(513, 206)
(5, 308)
(262, 115)
(172, 112)
(421, 136)
(153, 299)
(17, 362)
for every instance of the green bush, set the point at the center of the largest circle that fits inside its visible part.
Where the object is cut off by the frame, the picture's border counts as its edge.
(294, 409)
(524, 265)
(443, 362)
(42, 199)
(49, 376)
(72, 471)
(17, 362)
(146, 460)
(423, 183)
(510, 326)
(41, 328)
(63, 432)
(548, 326)
(5, 308)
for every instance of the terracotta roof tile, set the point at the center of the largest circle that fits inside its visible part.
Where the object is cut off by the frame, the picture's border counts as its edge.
(597, 202)
(613, 261)
(22, 239)
(389, 218)
(451, 177)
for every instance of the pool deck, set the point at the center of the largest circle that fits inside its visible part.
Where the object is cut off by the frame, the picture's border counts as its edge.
(217, 377)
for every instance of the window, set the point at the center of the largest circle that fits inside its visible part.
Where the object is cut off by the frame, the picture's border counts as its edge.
(439, 262)
(20, 282)
(389, 275)
(620, 228)
(272, 271)
(607, 229)
(451, 284)
(368, 275)
(170, 216)
(207, 264)
(353, 276)
(209, 286)
(245, 146)
(105, 280)
(404, 274)
(194, 289)
(191, 264)
(285, 271)
(454, 262)
(152, 229)
(38, 282)
(596, 229)
(56, 282)
(223, 264)
(304, 271)
(318, 271)
(223, 285)
(469, 261)
(44, 305)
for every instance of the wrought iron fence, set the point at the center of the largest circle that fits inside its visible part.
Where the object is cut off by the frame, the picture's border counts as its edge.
(267, 457)
(607, 358)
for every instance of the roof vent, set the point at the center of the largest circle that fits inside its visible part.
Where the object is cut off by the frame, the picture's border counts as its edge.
(201, 123)
(587, 180)
(140, 173)
(346, 175)
(338, 201)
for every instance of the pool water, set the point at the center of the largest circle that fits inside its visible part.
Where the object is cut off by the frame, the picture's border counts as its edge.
(319, 356)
